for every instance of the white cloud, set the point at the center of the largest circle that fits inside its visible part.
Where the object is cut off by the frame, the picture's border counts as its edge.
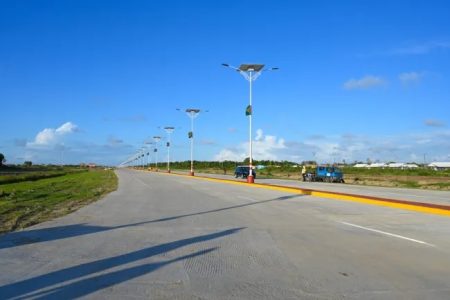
(230, 154)
(337, 148)
(265, 147)
(50, 136)
(207, 142)
(366, 82)
(114, 142)
(20, 142)
(66, 128)
(410, 77)
(259, 135)
(434, 123)
(419, 49)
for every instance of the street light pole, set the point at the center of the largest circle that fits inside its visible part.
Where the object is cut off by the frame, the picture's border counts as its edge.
(156, 139)
(169, 131)
(250, 72)
(142, 157)
(250, 178)
(192, 114)
(148, 153)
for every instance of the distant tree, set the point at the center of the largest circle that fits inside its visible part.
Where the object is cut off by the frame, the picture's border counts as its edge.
(309, 162)
(27, 163)
(2, 159)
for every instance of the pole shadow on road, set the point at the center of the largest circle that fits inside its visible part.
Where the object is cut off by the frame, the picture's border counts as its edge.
(33, 236)
(50, 285)
(227, 208)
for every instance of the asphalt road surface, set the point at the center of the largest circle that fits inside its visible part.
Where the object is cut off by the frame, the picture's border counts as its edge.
(164, 236)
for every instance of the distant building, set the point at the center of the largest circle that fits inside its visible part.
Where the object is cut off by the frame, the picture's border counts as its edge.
(410, 166)
(396, 165)
(439, 165)
(377, 165)
(361, 166)
(390, 165)
(402, 166)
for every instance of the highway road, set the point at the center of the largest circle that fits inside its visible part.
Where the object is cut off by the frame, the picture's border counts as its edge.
(163, 236)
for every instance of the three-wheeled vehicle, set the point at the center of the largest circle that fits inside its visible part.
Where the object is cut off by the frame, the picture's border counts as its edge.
(325, 174)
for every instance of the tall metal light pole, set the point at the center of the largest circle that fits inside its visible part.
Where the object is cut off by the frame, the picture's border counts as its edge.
(169, 131)
(142, 156)
(137, 159)
(156, 139)
(144, 153)
(148, 153)
(250, 72)
(192, 114)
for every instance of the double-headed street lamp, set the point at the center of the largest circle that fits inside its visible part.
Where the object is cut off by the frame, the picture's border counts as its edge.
(156, 139)
(169, 131)
(148, 152)
(250, 72)
(143, 156)
(192, 114)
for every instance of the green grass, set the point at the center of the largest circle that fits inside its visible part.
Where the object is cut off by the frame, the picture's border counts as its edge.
(30, 176)
(20, 173)
(407, 184)
(438, 185)
(29, 202)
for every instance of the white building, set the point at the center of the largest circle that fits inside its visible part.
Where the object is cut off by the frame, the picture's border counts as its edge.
(383, 165)
(377, 165)
(439, 165)
(402, 166)
(361, 166)
(410, 166)
(396, 165)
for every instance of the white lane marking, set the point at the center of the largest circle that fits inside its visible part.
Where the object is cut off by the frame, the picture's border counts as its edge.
(389, 234)
(142, 182)
(246, 198)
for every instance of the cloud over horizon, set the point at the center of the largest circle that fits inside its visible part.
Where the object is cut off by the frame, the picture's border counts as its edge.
(264, 148)
(407, 78)
(366, 82)
(421, 48)
(51, 136)
(348, 147)
(434, 123)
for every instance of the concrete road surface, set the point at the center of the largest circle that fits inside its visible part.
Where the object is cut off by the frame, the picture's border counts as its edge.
(172, 237)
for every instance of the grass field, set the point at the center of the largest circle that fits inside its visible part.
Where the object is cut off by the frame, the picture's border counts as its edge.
(48, 194)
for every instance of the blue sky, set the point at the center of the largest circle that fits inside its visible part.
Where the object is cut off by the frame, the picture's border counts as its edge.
(90, 81)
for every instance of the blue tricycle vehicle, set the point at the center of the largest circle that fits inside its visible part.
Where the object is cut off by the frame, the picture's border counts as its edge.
(325, 174)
